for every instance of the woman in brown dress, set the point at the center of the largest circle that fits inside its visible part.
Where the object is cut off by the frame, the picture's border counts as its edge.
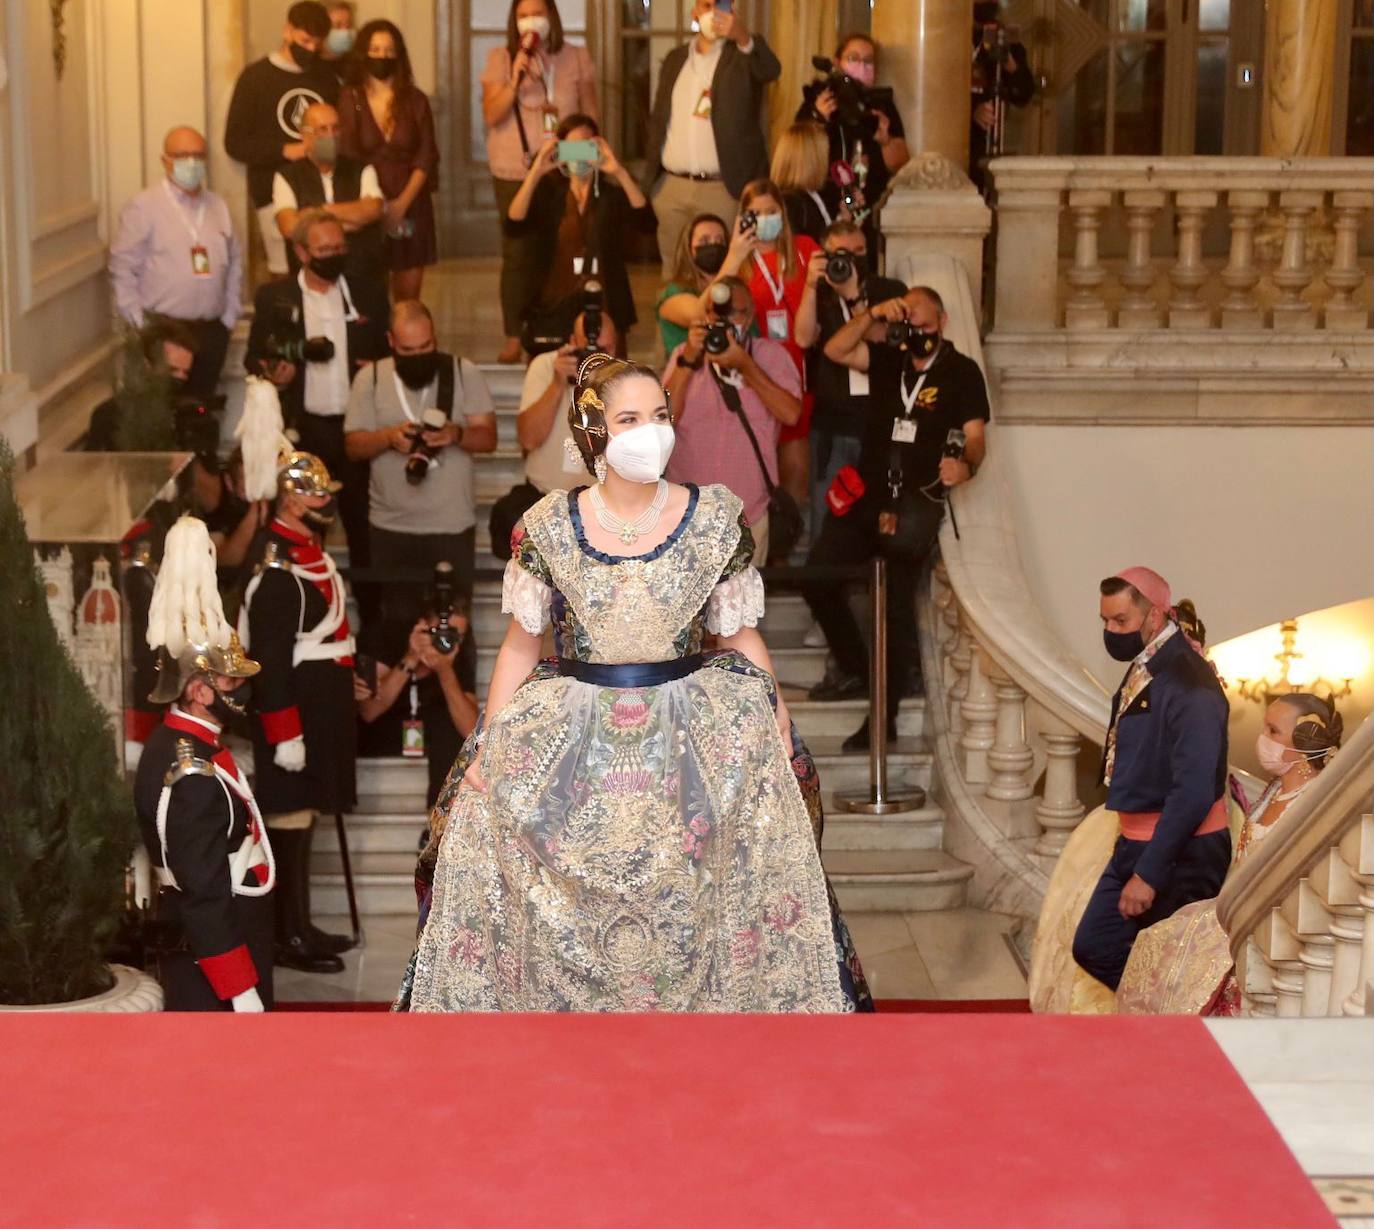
(386, 121)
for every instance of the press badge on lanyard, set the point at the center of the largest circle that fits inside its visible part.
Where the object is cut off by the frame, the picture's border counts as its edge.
(904, 428)
(200, 254)
(413, 728)
(775, 318)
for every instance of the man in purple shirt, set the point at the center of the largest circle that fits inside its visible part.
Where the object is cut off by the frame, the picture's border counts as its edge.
(712, 443)
(176, 257)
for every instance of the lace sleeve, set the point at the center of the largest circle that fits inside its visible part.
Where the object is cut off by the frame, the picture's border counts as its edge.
(526, 597)
(736, 602)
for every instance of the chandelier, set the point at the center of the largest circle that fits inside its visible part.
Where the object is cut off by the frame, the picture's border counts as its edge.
(1266, 690)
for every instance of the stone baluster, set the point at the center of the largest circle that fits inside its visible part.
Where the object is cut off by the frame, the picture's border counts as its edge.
(1357, 850)
(1186, 309)
(1294, 274)
(1060, 809)
(1028, 257)
(1345, 275)
(1010, 757)
(1256, 976)
(1287, 980)
(1241, 310)
(1138, 308)
(1085, 308)
(1280, 948)
(979, 708)
(959, 652)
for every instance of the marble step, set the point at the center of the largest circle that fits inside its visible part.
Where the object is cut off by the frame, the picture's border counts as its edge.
(866, 881)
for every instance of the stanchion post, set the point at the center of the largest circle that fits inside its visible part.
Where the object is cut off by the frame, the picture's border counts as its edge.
(353, 917)
(878, 801)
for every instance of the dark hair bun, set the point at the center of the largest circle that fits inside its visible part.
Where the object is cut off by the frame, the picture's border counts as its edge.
(1185, 614)
(1319, 729)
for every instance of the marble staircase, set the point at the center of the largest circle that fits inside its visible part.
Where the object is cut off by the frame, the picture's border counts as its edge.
(889, 863)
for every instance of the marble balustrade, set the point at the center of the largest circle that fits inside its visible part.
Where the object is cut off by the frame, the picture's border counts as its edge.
(1292, 263)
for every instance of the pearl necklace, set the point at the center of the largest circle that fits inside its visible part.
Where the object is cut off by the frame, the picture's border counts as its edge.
(629, 531)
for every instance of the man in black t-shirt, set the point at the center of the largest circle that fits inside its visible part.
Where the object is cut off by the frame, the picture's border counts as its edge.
(271, 96)
(922, 392)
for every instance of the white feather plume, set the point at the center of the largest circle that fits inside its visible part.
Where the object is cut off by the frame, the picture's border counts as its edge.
(261, 438)
(186, 606)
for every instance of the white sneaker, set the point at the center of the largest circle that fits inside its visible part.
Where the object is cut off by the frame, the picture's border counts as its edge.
(814, 638)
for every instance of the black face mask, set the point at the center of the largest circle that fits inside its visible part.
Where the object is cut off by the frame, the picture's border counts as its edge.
(176, 385)
(303, 56)
(418, 370)
(1124, 646)
(321, 517)
(709, 257)
(382, 67)
(924, 344)
(328, 267)
(227, 706)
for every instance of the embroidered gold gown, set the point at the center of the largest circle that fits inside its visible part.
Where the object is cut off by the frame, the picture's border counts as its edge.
(642, 843)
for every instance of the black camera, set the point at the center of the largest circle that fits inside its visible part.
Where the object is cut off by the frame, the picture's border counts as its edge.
(195, 426)
(839, 267)
(590, 307)
(442, 634)
(903, 335)
(293, 348)
(718, 333)
(421, 456)
(854, 101)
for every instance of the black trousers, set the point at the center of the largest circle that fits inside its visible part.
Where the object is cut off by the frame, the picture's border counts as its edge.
(854, 538)
(324, 436)
(397, 602)
(520, 278)
(184, 986)
(1102, 944)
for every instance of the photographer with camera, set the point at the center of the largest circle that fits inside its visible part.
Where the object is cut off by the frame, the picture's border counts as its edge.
(310, 336)
(923, 434)
(577, 205)
(1000, 76)
(141, 416)
(732, 395)
(424, 703)
(419, 417)
(867, 140)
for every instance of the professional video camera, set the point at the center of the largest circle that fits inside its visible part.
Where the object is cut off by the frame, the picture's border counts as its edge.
(421, 456)
(718, 332)
(443, 635)
(195, 426)
(855, 101)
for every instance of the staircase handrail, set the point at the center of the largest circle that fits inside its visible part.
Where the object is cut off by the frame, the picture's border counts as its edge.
(1316, 821)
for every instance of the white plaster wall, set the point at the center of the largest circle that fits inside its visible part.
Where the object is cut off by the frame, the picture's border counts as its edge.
(1201, 506)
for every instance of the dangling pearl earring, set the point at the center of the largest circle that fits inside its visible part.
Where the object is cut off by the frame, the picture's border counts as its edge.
(600, 466)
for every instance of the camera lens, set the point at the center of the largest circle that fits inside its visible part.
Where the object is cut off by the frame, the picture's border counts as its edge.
(717, 338)
(839, 267)
(899, 333)
(317, 349)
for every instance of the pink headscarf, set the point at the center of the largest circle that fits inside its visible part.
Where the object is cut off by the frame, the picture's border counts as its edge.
(1155, 590)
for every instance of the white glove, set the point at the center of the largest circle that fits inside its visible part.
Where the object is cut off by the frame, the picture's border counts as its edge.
(133, 752)
(249, 1001)
(290, 755)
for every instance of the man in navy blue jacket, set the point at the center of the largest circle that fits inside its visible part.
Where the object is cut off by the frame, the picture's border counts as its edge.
(1164, 764)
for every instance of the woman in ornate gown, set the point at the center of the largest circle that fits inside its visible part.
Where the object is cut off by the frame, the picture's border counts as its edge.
(1181, 965)
(628, 833)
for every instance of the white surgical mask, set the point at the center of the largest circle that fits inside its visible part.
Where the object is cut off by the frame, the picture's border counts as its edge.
(706, 25)
(641, 453)
(768, 227)
(340, 41)
(536, 25)
(188, 173)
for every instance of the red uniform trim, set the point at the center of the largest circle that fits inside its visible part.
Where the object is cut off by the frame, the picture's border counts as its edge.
(282, 725)
(139, 723)
(231, 972)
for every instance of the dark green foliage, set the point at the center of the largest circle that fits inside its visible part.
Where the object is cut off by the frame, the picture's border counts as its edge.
(66, 818)
(143, 397)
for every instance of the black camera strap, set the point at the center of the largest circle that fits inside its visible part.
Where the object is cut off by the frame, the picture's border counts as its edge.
(730, 394)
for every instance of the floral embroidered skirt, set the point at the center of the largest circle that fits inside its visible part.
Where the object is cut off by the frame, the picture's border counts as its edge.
(635, 850)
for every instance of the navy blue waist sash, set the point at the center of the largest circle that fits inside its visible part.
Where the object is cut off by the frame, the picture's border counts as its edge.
(630, 674)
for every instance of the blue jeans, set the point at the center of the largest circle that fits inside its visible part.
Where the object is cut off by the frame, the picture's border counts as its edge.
(830, 453)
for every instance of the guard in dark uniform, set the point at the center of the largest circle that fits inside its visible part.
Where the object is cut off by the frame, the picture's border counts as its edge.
(200, 823)
(295, 622)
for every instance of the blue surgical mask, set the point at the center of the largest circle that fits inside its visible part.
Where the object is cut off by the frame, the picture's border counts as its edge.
(339, 41)
(326, 150)
(188, 173)
(768, 227)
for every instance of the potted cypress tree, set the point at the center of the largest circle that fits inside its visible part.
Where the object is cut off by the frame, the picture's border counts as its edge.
(66, 818)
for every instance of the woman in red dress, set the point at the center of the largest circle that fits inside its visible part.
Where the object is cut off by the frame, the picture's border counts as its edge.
(386, 121)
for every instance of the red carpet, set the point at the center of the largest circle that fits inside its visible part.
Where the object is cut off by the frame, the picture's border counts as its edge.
(360, 1119)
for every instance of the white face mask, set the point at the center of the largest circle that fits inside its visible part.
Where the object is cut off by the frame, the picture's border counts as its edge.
(641, 453)
(1271, 753)
(536, 25)
(706, 24)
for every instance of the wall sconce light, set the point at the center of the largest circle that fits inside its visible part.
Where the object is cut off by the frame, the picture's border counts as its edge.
(1266, 690)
